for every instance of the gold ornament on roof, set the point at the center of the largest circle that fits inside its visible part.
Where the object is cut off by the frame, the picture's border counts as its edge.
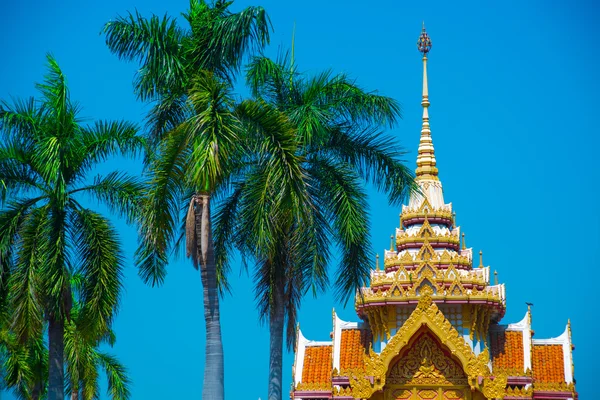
(426, 315)
(424, 42)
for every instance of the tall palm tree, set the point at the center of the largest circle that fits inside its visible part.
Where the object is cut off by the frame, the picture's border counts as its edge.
(198, 160)
(338, 141)
(49, 236)
(185, 74)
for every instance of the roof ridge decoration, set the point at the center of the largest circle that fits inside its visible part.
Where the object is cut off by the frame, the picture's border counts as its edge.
(428, 314)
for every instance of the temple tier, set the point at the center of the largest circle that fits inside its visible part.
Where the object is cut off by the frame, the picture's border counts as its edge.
(430, 326)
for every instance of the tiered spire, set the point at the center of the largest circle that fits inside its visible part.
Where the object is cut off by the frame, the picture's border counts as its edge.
(426, 165)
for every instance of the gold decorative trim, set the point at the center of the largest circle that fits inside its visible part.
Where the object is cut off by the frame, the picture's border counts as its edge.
(426, 210)
(554, 386)
(316, 386)
(425, 314)
(426, 232)
(519, 392)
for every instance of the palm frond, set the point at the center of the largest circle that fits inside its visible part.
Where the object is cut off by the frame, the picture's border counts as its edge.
(21, 121)
(216, 131)
(25, 294)
(352, 104)
(346, 201)
(119, 191)
(268, 79)
(155, 43)
(375, 157)
(160, 213)
(236, 34)
(118, 380)
(18, 173)
(102, 263)
(225, 222)
(100, 141)
(169, 111)
(56, 101)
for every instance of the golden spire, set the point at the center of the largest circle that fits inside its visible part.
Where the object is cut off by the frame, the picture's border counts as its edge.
(377, 263)
(464, 245)
(495, 277)
(480, 259)
(391, 242)
(426, 168)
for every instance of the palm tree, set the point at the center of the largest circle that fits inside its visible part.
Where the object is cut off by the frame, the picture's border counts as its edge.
(198, 160)
(48, 235)
(186, 74)
(338, 141)
(25, 366)
(85, 361)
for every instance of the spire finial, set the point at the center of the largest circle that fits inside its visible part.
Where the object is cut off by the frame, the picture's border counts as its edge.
(391, 242)
(426, 164)
(495, 277)
(464, 245)
(480, 259)
(424, 42)
(377, 262)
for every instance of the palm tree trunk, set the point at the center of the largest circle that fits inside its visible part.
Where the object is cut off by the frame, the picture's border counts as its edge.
(56, 372)
(276, 342)
(36, 393)
(74, 395)
(213, 388)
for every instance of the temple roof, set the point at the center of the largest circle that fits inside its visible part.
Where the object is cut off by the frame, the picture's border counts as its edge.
(430, 297)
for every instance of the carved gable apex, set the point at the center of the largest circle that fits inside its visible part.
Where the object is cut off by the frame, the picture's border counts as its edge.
(396, 290)
(445, 257)
(456, 289)
(451, 273)
(426, 230)
(407, 258)
(426, 252)
(401, 275)
(426, 270)
(426, 314)
(426, 205)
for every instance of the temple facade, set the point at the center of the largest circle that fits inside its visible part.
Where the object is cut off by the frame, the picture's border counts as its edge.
(430, 321)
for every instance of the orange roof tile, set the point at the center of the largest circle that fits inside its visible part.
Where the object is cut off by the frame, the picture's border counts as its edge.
(507, 349)
(548, 363)
(318, 364)
(353, 346)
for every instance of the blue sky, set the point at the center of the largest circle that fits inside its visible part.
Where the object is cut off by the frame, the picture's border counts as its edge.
(513, 89)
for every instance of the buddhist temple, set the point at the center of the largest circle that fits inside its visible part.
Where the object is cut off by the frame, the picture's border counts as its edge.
(429, 325)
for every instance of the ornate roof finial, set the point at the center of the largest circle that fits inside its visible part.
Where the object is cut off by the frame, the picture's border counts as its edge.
(391, 242)
(453, 220)
(495, 277)
(377, 262)
(426, 168)
(424, 42)
(464, 245)
(529, 307)
(480, 259)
